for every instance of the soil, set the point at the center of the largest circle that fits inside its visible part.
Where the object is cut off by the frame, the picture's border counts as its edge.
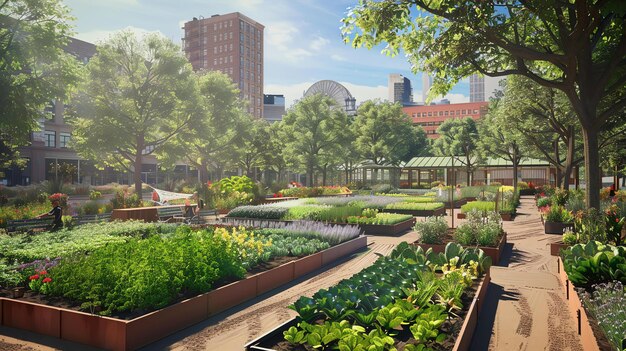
(70, 304)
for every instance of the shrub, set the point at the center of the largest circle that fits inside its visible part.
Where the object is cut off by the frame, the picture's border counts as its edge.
(569, 238)
(522, 185)
(607, 303)
(90, 208)
(464, 235)
(260, 212)
(432, 231)
(61, 198)
(560, 197)
(544, 201)
(382, 188)
(590, 226)
(488, 235)
(484, 206)
(123, 199)
(559, 214)
(94, 195)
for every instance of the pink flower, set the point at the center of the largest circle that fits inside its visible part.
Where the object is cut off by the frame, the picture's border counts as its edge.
(47, 280)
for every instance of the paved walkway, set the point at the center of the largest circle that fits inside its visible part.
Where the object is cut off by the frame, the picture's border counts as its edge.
(525, 308)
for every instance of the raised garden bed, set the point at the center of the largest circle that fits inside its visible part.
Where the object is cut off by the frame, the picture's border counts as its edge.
(463, 340)
(494, 252)
(117, 334)
(556, 227)
(555, 248)
(504, 216)
(380, 229)
(419, 213)
(589, 336)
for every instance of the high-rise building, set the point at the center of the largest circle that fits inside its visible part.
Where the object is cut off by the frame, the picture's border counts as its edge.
(400, 89)
(231, 43)
(273, 107)
(483, 88)
(427, 82)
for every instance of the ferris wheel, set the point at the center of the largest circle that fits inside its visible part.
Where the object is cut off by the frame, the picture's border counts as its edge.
(336, 91)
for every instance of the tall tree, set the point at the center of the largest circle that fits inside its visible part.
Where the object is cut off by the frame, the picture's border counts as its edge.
(213, 140)
(34, 68)
(138, 95)
(459, 137)
(256, 144)
(385, 134)
(575, 46)
(498, 141)
(312, 128)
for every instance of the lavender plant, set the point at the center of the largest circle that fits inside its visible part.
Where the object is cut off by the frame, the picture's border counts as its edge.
(607, 303)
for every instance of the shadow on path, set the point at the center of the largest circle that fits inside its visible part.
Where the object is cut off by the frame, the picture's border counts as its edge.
(487, 316)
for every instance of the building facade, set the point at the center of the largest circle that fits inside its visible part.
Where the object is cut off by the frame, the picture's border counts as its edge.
(273, 107)
(483, 88)
(430, 117)
(400, 89)
(427, 82)
(233, 44)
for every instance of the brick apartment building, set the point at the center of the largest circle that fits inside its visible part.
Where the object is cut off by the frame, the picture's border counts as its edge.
(430, 117)
(231, 43)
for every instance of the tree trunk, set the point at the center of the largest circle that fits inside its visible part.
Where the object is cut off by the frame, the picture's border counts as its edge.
(324, 173)
(569, 159)
(204, 172)
(515, 167)
(138, 164)
(309, 175)
(593, 176)
(558, 177)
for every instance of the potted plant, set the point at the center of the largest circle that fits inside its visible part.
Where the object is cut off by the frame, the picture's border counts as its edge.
(557, 219)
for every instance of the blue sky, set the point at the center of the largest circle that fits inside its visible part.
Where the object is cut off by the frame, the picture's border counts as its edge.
(302, 40)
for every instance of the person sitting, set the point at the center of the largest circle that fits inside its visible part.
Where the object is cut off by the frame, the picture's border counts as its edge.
(57, 212)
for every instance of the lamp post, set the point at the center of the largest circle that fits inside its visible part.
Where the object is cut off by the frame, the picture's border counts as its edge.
(451, 192)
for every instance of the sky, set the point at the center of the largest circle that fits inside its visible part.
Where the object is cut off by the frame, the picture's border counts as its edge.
(302, 38)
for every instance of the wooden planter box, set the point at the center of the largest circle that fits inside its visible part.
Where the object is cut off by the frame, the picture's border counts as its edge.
(376, 229)
(116, 334)
(587, 337)
(456, 203)
(146, 214)
(556, 227)
(494, 252)
(530, 192)
(419, 213)
(463, 341)
(555, 248)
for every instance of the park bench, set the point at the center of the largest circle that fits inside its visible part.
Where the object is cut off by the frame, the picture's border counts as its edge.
(95, 218)
(170, 214)
(200, 218)
(26, 225)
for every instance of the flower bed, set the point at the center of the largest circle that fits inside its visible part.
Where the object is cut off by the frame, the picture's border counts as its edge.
(417, 209)
(394, 305)
(304, 192)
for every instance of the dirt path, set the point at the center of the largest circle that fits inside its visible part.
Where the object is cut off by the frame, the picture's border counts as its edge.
(526, 308)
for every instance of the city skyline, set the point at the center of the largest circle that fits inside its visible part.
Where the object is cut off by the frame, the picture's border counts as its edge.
(303, 42)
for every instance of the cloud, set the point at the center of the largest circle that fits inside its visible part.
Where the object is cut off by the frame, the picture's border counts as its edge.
(97, 36)
(281, 34)
(339, 58)
(318, 43)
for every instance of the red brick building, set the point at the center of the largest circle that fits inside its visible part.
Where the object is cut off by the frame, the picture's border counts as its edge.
(231, 43)
(430, 117)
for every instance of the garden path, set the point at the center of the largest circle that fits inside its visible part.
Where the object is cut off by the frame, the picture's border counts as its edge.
(525, 306)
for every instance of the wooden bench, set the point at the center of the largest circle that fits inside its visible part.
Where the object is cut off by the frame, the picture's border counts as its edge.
(26, 225)
(96, 218)
(170, 214)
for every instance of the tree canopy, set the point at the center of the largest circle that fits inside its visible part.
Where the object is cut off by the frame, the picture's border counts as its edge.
(34, 68)
(459, 137)
(311, 130)
(138, 95)
(575, 46)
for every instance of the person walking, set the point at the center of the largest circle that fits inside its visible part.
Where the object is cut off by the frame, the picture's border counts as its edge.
(57, 212)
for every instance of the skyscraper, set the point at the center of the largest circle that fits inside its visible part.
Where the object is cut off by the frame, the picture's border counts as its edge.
(400, 89)
(427, 81)
(231, 43)
(483, 88)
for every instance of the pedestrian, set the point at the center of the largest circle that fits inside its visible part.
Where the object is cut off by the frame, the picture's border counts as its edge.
(57, 212)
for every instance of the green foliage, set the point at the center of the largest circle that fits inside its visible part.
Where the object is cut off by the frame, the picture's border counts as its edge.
(569, 238)
(235, 183)
(138, 95)
(124, 199)
(416, 206)
(483, 206)
(85, 238)
(94, 195)
(594, 263)
(380, 219)
(465, 235)
(544, 201)
(459, 137)
(433, 230)
(590, 225)
(558, 214)
(10, 213)
(261, 212)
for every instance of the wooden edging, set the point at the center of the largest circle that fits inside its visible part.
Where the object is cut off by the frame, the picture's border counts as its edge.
(116, 334)
(395, 229)
(494, 252)
(462, 343)
(555, 248)
(576, 309)
(556, 227)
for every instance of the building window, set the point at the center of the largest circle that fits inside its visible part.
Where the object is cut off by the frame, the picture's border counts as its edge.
(446, 113)
(215, 50)
(430, 114)
(50, 138)
(464, 111)
(64, 139)
(475, 112)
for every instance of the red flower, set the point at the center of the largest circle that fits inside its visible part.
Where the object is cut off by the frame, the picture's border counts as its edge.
(34, 277)
(44, 272)
(275, 195)
(47, 280)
